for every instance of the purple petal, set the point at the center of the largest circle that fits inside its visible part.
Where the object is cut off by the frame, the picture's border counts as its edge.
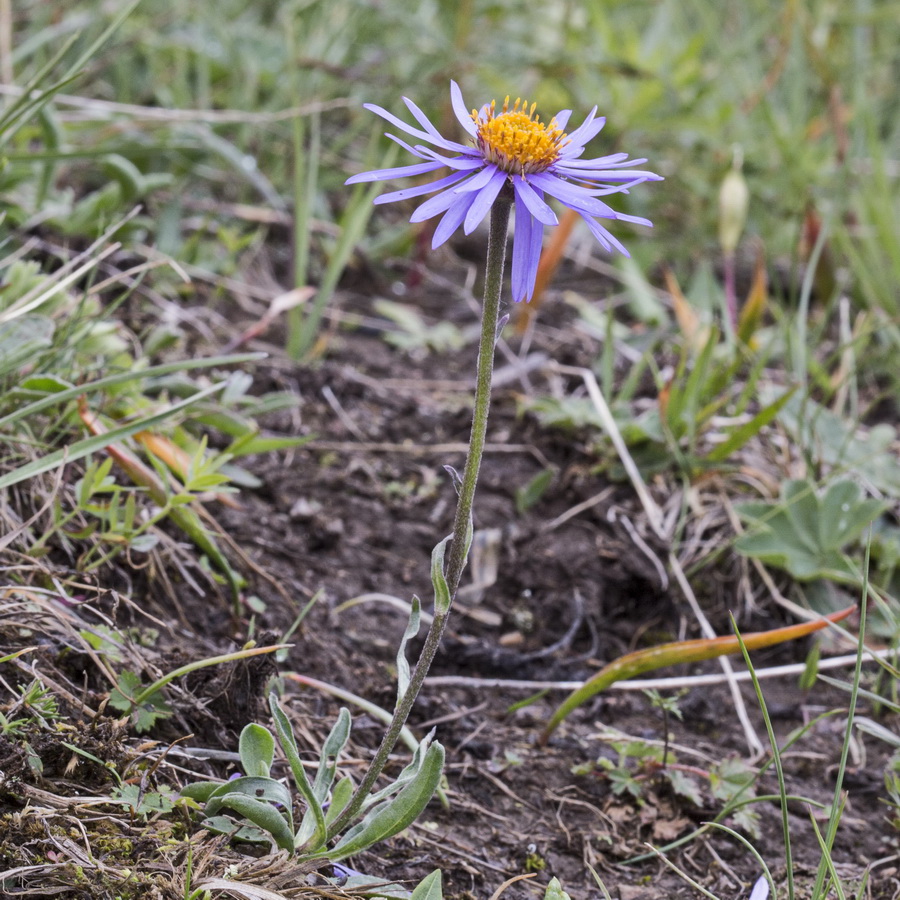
(593, 191)
(420, 189)
(572, 195)
(416, 151)
(399, 123)
(403, 126)
(477, 182)
(402, 172)
(459, 107)
(526, 253)
(484, 200)
(467, 161)
(534, 258)
(616, 161)
(436, 205)
(436, 136)
(636, 220)
(588, 129)
(452, 219)
(521, 241)
(613, 159)
(535, 203)
(562, 119)
(602, 235)
(633, 176)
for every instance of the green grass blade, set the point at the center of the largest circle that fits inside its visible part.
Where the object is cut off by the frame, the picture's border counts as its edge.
(85, 447)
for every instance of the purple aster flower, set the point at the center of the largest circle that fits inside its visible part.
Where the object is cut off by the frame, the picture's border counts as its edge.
(511, 147)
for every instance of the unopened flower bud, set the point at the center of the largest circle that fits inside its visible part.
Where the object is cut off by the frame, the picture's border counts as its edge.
(734, 199)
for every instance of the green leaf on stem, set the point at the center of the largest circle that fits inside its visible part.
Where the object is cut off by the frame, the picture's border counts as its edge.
(442, 596)
(392, 816)
(412, 629)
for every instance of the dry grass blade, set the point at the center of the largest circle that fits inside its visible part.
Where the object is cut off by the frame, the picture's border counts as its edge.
(240, 890)
(651, 508)
(510, 881)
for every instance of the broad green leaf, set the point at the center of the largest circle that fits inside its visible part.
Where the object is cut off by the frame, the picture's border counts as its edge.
(374, 888)
(45, 383)
(802, 507)
(259, 788)
(257, 750)
(22, 339)
(684, 786)
(840, 443)
(429, 888)
(146, 710)
(200, 791)
(555, 891)
(263, 815)
(226, 825)
(845, 515)
(807, 534)
(391, 817)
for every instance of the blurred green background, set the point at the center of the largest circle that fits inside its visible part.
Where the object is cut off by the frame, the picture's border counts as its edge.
(804, 92)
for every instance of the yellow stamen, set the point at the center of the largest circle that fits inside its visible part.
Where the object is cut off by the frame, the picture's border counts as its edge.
(516, 140)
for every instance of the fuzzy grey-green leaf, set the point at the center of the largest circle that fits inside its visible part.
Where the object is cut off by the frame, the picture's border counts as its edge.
(394, 815)
(256, 747)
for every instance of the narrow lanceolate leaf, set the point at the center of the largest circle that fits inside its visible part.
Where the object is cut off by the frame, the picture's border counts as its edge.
(394, 815)
(412, 629)
(737, 438)
(331, 749)
(263, 815)
(408, 774)
(340, 797)
(256, 748)
(289, 745)
(442, 596)
(85, 447)
(681, 652)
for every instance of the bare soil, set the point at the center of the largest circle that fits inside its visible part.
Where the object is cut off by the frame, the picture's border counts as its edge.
(562, 587)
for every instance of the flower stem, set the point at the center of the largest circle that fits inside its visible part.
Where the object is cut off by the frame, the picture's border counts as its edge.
(496, 257)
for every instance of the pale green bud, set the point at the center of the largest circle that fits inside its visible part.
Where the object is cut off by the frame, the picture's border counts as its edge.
(734, 200)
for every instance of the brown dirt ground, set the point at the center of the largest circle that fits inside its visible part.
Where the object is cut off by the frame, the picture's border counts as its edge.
(357, 511)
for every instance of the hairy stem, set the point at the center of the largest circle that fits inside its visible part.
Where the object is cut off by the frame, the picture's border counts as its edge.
(496, 257)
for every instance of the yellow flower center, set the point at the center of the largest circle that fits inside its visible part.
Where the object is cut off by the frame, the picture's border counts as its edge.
(516, 140)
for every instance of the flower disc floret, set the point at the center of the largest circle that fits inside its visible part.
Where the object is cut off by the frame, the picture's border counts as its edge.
(516, 140)
(514, 150)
